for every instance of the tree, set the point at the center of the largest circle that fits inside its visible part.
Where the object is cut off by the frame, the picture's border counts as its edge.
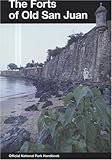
(33, 61)
(40, 64)
(74, 38)
(12, 66)
(29, 65)
(35, 64)
(21, 68)
(53, 52)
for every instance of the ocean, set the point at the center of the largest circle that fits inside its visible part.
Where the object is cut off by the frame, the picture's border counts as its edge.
(12, 87)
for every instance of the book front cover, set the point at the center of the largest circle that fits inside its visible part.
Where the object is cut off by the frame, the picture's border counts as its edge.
(55, 79)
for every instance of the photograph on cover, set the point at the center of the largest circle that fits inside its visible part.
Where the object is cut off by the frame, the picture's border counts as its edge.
(55, 87)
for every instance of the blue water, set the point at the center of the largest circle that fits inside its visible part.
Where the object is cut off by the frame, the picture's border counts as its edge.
(12, 87)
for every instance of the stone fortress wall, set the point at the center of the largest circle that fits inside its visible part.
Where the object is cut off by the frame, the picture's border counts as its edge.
(30, 73)
(91, 53)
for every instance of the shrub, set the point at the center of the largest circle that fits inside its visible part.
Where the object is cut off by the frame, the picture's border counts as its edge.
(54, 52)
(74, 38)
(83, 126)
(12, 66)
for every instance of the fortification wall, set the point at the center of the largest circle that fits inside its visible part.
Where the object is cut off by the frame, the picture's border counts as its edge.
(31, 73)
(93, 52)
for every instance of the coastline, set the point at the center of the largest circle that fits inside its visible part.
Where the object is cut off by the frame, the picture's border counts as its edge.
(19, 95)
(16, 106)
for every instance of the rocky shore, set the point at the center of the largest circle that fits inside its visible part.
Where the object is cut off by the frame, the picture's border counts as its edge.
(19, 116)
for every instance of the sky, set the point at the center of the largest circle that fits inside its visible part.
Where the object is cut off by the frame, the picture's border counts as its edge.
(22, 43)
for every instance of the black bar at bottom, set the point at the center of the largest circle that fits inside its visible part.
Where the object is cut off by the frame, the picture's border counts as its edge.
(55, 155)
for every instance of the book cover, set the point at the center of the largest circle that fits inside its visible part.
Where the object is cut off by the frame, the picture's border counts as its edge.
(55, 79)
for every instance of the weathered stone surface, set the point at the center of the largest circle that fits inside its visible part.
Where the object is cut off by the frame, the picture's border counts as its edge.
(91, 52)
(45, 85)
(13, 140)
(59, 94)
(19, 120)
(30, 73)
(34, 107)
(38, 94)
(45, 97)
(47, 103)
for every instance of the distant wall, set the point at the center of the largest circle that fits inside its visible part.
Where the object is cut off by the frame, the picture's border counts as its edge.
(32, 73)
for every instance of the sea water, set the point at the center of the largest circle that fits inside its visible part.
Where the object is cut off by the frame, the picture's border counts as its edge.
(13, 87)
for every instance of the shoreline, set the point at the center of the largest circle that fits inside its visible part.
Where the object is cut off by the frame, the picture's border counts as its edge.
(19, 95)
(14, 107)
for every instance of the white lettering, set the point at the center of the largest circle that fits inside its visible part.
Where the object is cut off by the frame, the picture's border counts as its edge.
(16, 4)
(47, 15)
(41, 4)
(30, 15)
